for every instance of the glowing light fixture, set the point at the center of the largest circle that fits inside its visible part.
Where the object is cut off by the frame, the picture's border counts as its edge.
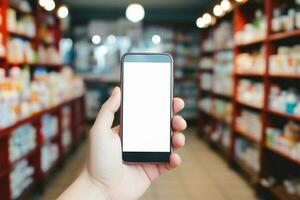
(200, 22)
(225, 5)
(156, 39)
(49, 5)
(240, 1)
(218, 11)
(43, 2)
(111, 39)
(207, 18)
(96, 39)
(135, 12)
(63, 11)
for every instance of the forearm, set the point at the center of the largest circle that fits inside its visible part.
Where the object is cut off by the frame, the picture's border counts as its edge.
(84, 188)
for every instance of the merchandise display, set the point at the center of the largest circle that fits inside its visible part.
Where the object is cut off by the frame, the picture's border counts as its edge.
(286, 140)
(188, 92)
(248, 153)
(250, 92)
(20, 51)
(22, 141)
(265, 98)
(286, 17)
(206, 81)
(251, 63)
(223, 73)
(223, 36)
(20, 178)
(49, 155)
(21, 97)
(249, 123)
(253, 31)
(24, 25)
(222, 134)
(206, 63)
(49, 127)
(286, 61)
(222, 110)
(284, 101)
(36, 132)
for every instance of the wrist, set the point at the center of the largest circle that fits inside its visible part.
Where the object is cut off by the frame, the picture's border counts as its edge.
(96, 187)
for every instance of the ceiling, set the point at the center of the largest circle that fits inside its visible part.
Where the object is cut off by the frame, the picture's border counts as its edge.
(83, 11)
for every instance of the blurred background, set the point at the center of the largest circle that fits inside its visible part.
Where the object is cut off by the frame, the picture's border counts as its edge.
(237, 66)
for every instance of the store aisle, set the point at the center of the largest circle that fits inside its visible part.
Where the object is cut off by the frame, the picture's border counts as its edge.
(203, 175)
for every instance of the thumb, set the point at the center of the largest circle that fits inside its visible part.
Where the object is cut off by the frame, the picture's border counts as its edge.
(105, 117)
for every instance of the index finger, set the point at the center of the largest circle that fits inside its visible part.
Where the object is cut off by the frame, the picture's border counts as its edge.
(178, 104)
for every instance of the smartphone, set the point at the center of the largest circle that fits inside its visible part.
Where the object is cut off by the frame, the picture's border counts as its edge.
(146, 107)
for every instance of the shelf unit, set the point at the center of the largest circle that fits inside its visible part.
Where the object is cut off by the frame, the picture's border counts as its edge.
(268, 157)
(76, 106)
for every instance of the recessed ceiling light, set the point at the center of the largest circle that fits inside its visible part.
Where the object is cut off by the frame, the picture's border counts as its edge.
(135, 12)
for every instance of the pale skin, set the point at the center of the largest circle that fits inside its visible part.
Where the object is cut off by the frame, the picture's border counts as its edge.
(105, 176)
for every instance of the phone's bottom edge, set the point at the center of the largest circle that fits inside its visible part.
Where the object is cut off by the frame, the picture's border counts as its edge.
(146, 157)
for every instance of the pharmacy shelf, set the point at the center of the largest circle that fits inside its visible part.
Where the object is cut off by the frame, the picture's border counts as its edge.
(250, 44)
(280, 193)
(254, 176)
(249, 75)
(285, 76)
(284, 35)
(205, 70)
(44, 65)
(22, 36)
(27, 155)
(20, 11)
(7, 130)
(246, 135)
(283, 155)
(249, 105)
(284, 115)
(243, 14)
(224, 96)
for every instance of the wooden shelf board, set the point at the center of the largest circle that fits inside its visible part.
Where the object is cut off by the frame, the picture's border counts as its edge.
(226, 96)
(284, 155)
(27, 155)
(249, 74)
(249, 105)
(284, 115)
(285, 76)
(205, 69)
(34, 117)
(248, 44)
(281, 193)
(246, 135)
(23, 36)
(47, 65)
(284, 35)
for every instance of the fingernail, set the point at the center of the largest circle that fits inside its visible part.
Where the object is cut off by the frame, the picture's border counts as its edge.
(114, 91)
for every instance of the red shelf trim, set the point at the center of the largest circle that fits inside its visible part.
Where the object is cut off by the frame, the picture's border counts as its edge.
(290, 76)
(284, 35)
(249, 74)
(249, 105)
(252, 43)
(292, 117)
(20, 35)
(246, 135)
(27, 155)
(283, 154)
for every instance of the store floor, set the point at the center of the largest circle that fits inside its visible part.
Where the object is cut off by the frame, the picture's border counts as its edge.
(203, 175)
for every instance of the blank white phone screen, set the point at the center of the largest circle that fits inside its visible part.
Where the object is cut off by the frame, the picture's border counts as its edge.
(146, 107)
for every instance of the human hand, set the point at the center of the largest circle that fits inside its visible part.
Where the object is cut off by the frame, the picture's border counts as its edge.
(105, 169)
